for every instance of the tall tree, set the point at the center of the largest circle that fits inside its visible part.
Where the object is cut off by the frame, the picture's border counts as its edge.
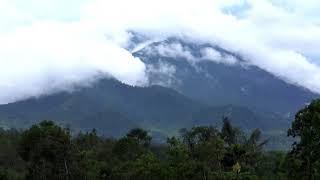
(228, 132)
(46, 148)
(304, 158)
(198, 135)
(141, 136)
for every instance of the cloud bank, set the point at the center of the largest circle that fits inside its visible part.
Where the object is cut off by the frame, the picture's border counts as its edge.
(51, 45)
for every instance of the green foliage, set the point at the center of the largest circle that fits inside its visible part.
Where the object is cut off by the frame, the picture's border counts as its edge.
(46, 148)
(227, 132)
(146, 166)
(11, 164)
(304, 159)
(140, 135)
(48, 151)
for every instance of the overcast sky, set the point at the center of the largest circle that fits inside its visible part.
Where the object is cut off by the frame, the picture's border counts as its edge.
(50, 45)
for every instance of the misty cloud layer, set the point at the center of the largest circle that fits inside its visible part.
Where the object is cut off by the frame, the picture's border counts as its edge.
(52, 45)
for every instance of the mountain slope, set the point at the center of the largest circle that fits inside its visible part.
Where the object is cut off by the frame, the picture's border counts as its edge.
(108, 105)
(220, 77)
(113, 108)
(241, 117)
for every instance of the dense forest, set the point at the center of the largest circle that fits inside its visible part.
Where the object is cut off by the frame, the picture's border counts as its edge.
(113, 108)
(49, 151)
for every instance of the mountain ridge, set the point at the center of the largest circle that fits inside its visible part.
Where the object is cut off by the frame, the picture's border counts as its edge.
(114, 102)
(219, 83)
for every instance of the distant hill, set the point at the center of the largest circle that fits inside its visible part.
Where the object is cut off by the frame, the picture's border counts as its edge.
(113, 107)
(108, 105)
(241, 117)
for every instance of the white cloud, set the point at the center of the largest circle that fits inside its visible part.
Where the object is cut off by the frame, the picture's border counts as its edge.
(163, 73)
(175, 50)
(215, 56)
(211, 54)
(73, 41)
(178, 51)
(48, 57)
(280, 37)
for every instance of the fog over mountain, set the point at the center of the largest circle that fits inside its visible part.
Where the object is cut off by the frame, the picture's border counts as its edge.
(218, 77)
(48, 46)
(159, 89)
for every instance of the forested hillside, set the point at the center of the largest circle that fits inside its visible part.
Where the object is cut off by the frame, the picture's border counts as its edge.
(49, 151)
(113, 108)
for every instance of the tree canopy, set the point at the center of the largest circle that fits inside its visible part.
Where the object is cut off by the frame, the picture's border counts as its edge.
(49, 151)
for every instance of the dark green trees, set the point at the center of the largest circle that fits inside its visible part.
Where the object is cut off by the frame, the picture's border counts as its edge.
(11, 164)
(205, 146)
(304, 158)
(228, 133)
(133, 158)
(133, 145)
(198, 153)
(47, 150)
(89, 156)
